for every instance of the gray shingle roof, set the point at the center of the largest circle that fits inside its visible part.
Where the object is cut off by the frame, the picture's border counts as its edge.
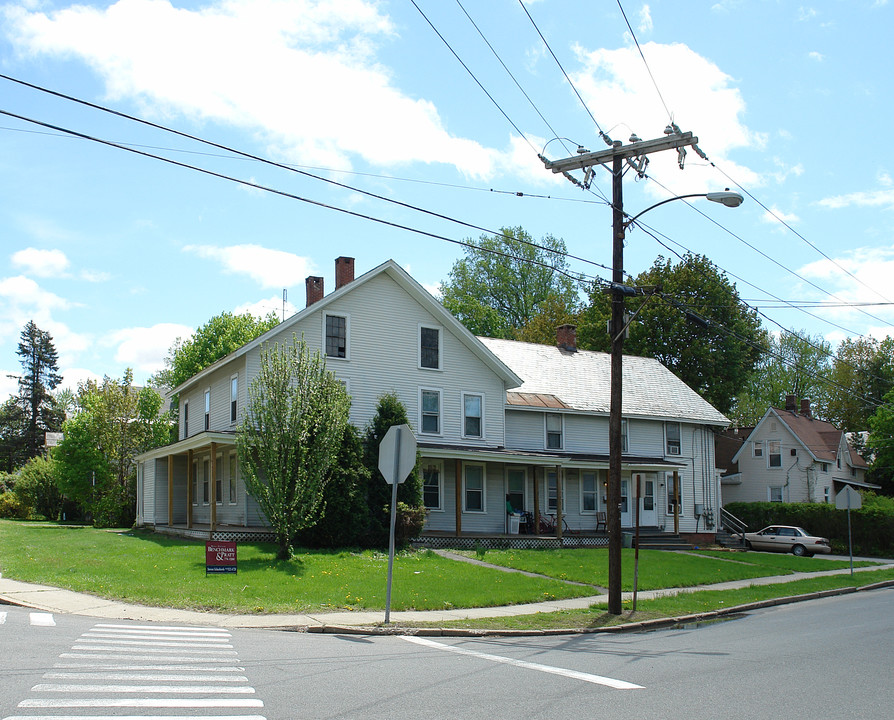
(580, 379)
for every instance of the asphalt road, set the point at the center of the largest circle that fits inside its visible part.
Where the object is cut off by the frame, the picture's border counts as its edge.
(829, 658)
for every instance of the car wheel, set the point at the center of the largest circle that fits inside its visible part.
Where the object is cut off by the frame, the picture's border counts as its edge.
(799, 550)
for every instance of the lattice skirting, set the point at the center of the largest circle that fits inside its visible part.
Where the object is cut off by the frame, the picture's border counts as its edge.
(504, 542)
(229, 534)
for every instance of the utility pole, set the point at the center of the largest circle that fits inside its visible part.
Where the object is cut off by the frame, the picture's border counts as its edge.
(618, 153)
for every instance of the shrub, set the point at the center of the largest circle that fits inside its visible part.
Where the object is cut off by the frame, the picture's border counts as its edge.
(36, 486)
(12, 507)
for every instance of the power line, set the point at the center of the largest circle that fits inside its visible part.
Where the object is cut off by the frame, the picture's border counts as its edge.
(648, 69)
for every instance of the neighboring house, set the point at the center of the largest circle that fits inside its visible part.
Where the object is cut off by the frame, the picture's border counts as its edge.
(496, 421)
(790, 456)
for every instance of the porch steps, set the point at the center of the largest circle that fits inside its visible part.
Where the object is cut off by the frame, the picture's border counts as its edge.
(656, 540)
(724, 539)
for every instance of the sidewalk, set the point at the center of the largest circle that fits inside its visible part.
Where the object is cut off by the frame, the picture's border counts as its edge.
(56, 600)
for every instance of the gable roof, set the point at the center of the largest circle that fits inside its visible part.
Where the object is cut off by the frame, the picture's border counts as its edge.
(580, 380)
(412, 288)
(821, 439)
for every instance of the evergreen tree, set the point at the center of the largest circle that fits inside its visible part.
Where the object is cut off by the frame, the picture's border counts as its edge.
(40, 364)
(389, 411)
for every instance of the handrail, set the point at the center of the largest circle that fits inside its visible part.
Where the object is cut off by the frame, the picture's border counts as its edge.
(731, 523)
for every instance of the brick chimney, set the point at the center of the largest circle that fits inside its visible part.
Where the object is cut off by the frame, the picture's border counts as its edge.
(790, 403)
(566, 337)
(805, 408)
(314, 288)
(344, 271)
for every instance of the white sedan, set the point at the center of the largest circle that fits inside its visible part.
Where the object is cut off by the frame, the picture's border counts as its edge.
(787, 538)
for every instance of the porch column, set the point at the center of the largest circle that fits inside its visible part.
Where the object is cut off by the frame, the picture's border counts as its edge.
(170, 490)
(458, 489)
(676, 502)
(536, 502)
(213, 486)
(559, 503)
(189, 488)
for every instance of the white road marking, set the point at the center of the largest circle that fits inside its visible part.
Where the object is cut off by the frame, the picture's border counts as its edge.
(123, 631)
(106, 648)
(177, 628)
(573, 674)
(148, 668)
(2, 617)
(132, 717)
(157, 643)
(134, 656)
(43, 619)
(143, 702)
(143, 676)
(173, 689)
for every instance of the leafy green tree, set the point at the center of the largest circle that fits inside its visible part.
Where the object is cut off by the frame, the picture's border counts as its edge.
(344, 517)
(13, 429)
(37, 486)
(288, 440)
(217, 338)
(40, 365)
(862, 373)
(553, 312)
(115, 422)
(503, 281)
(880, 445)
(794, 364)
(389, 411)
(697, 327)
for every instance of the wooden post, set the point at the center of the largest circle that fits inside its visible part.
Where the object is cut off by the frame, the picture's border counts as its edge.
(636, 478)
(676, 502)
(536, 504)
(458, 486)
(190, 484)
(170, 490)
(213, 487)
(559, 503)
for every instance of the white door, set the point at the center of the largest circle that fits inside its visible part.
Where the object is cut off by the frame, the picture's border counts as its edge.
(626, 515)
(647, 513)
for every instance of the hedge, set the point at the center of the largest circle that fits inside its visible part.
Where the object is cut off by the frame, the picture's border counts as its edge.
(872, 526)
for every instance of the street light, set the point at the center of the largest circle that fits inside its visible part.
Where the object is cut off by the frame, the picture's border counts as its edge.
(613, 524)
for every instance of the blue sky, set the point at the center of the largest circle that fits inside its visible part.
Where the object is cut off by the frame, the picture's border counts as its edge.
(117, 254)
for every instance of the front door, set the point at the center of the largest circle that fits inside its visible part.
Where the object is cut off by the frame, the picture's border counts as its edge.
(647, 514)
(626, 516)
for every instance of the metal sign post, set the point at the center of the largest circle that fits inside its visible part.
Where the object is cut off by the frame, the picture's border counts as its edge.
(397, 458)
(845, 500)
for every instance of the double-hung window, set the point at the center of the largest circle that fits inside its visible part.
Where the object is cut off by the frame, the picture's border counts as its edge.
(624, 443)
(553, 431)
(185, 419)
(430, 404)
(515, 489)
(335, 338)
(234, 475)
(234, 395)
(473, 488)
(473, 415)
(672, 495)
(552, 492)
(774, 454)
(208, 409)
(588, 487)
(429, 347)
(672, 438)
(206, 481)
(757, 448)
(218, 480)
(774, 494)
(431, 485)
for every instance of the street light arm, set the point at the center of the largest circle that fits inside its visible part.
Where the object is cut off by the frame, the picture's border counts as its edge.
(730, 199)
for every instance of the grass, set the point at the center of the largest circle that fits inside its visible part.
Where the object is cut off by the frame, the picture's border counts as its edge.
(157, 570)
(657, 569)
(683, 604)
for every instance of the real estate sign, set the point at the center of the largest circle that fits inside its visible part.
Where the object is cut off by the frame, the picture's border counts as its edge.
(220, 557)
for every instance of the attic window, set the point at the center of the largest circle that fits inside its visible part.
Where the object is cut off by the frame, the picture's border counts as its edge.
(336, 336)
(794, 452)
(430, 347)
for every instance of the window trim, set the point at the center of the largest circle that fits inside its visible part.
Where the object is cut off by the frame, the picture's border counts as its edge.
(185, 419)
(206, 481)
(232, 478)
(546, 479)
(483, 510)
(440, 393)
(757, 448)
(439, 464)
(234, 398)
(524, 473)
(679, 440)
(347, 318)
(207, 415)
(595, 491)
(771, 455)
(218, 478)
(770, 489)
(546, 431)
(480, 396)
(440, 331)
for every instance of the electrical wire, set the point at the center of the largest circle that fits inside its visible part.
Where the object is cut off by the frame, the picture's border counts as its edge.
(670, 116)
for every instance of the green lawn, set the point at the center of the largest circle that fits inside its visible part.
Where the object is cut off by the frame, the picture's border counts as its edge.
(657, 569)
(157, 570)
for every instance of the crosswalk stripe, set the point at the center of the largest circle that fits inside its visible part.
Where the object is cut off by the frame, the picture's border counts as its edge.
(173, 689)
(149, 668)
(135, 656)
(144, 676)
(155, 628)
(2, 617)
(142, 702)
(143, 649)
(156, 643)
(133, 717)
(42, 619)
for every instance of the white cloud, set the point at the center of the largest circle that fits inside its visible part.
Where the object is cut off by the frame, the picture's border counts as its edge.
(774, 215)
(227, 61)
(616, 86)
(872, 198)
(145, 348)
(645, 19)
(269, 268)
(262, 308)
(72, 377)
(40, 263)
(8, 385)
(818, 57)
(95, 276)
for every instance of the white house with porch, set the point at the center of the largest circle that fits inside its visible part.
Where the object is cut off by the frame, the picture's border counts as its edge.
(500, 424)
